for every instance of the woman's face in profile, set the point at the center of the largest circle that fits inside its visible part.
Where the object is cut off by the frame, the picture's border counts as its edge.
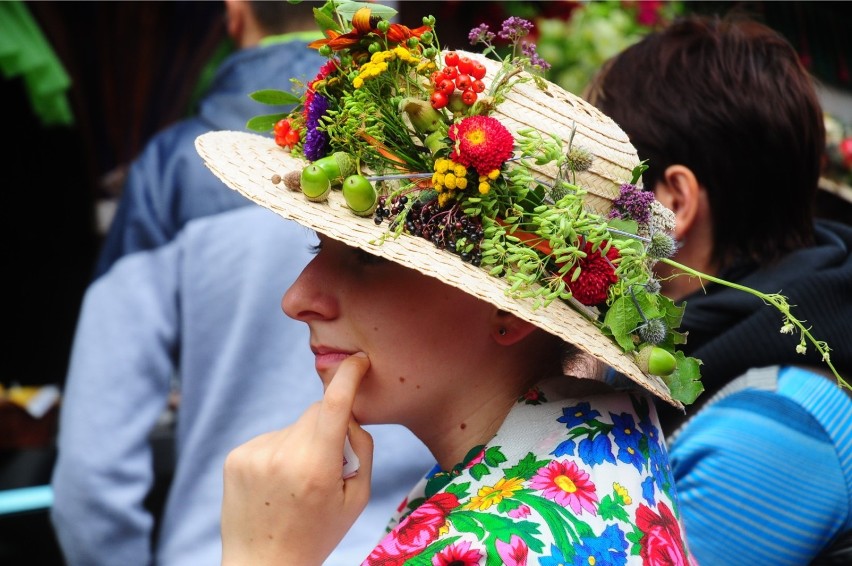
(425, 339)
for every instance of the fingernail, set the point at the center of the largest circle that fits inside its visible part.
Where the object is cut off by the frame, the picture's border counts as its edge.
(360, 355)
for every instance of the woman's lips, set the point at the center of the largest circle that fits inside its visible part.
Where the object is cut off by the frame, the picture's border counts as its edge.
(327, 358)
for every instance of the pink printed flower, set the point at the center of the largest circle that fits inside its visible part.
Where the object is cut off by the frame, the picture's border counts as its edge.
(520, 512)
(661, 541)
(415, 533)
(457, 555)
(567, 485)
(513, 553)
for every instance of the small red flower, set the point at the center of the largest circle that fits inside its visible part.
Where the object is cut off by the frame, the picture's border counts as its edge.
(481, 142)
(597, 273)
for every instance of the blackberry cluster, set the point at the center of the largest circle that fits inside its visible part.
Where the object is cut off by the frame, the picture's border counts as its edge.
(448, 227)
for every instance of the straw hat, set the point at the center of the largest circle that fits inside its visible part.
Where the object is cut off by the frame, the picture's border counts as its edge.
(249, 163)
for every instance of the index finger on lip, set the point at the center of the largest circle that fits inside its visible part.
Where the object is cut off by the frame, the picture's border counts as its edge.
(339, 397)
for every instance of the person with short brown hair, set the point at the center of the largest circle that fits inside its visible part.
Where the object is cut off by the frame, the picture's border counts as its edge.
(727, 118)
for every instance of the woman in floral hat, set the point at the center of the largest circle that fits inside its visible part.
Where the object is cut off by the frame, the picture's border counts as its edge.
(483, 255)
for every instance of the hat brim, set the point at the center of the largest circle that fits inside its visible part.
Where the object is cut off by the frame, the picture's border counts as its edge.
(248, 162)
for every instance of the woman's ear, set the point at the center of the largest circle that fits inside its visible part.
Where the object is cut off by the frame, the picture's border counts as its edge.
(508, 329)
(679, 191)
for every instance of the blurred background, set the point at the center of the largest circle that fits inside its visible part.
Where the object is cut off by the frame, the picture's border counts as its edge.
(86, 84)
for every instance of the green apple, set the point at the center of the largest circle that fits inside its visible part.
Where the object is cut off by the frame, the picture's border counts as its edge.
(360, 195)
(314, 183)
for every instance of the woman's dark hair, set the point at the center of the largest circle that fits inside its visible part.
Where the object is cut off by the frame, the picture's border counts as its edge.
(730, 99)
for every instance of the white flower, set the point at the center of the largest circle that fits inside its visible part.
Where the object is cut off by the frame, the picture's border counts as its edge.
(787, 328)
(801, 349)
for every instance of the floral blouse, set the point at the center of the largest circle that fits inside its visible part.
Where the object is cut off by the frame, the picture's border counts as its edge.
(562, 482)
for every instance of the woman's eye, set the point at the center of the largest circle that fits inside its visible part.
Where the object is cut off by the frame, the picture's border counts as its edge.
(314, 249)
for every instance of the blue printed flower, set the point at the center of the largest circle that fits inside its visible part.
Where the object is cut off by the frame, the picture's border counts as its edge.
(628, 438)
(580, 413)
(564, 448)
(609, 549)
(648, 490)
(596, 450)
(556, 557)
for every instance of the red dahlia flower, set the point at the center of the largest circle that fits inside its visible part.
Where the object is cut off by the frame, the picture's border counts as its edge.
(597, 273)
(481, 142)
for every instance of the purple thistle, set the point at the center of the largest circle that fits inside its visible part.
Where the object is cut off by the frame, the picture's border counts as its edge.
(316, 141)
(530, 51)
(633, 204)
(515, 28)
(481, 34)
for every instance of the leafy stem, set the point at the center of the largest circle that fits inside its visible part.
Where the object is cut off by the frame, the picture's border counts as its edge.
(779, 302)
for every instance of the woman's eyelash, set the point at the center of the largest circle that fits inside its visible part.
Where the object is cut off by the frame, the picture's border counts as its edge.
(314, 249)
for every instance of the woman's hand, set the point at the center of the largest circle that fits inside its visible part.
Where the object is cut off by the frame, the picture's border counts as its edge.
(285, 499)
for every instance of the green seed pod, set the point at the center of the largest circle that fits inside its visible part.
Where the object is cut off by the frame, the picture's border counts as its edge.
(436, 141)
(423, 117)
(360, 195)
(337, 166)
(656, 361)
(314, 183)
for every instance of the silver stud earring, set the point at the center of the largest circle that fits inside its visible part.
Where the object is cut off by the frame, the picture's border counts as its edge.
(502, 331)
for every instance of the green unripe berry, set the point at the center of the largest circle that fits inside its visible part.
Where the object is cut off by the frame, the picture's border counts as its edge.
(383, 26)
(656, 361)
(360, 195)
(427, 37)
(325, 51)
(314, 183)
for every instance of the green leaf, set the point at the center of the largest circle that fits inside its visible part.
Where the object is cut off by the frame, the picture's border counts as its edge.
(685, 381)
(622, 318)
(348, 9)
(629, 226)
(638, 170)
(274, 97)
(265, 123)
(610, 508)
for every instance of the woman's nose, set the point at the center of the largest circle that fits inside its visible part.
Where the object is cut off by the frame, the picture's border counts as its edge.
(310, 297)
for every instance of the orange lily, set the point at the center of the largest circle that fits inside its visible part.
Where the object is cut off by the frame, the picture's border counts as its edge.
(363, 24)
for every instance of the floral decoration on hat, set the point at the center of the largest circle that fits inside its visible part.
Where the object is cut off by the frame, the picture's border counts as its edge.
(413, 136)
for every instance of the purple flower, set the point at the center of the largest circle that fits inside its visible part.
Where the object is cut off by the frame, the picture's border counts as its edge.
(480, 34)
(633, 204)
(515, 28)
(316, 141)
(530, 51)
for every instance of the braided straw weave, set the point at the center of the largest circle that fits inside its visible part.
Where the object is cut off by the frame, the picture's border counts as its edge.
(247, 163)
(556, 111)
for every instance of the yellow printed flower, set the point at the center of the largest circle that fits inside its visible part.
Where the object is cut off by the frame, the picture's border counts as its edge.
(489, 496)
(621, 491)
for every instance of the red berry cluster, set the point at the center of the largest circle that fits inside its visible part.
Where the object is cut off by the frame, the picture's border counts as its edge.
(463, 75)
(285, 134)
